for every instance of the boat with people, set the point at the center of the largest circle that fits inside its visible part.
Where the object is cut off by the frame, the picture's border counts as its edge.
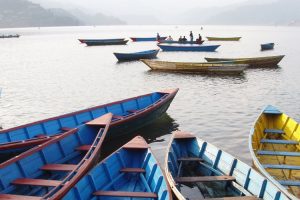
(50, 170)
(179, 42)
(131, 172)
(268, 61)
(146, 39)
(196, 169)
(192, 67)
(128, 115)
(267, 46)
(274, 147)
(102, 40)
(149, 54)
(188, 47)
(223, 38)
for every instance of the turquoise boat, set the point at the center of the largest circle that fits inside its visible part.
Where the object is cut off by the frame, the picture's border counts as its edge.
(128, 116)
(195, 168)
(267, 46)
(149, 54)
(50, 170)
(131, 172)
(188, 47)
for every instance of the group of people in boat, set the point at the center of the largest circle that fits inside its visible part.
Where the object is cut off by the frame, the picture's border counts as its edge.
(183, 39)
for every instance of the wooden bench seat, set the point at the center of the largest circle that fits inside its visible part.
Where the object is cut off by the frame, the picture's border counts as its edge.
(58, 167)
(190, 159)
(290, 183)
(274, 131)
(18, 197)
(268, 141)
(83, 148)
(126, 194)
(36, 182)
(278, 153)
(289, 167)
(133, 170)
(204, 179)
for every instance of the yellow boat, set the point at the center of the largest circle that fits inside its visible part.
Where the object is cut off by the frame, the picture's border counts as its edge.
(274, 147)
(269, 61)
(192, 67)
(223, 38)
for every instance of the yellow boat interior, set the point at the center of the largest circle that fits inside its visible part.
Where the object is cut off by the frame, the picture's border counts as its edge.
(275, 143)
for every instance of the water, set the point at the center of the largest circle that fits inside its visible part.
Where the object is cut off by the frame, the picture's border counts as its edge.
(47, 72)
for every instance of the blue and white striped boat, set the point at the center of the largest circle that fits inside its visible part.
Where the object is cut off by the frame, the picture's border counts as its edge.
(193, 165)
(131, 172)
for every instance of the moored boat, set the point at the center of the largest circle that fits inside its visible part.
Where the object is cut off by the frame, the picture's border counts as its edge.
(49, 170)
(223, 38)
(137, 55)
(179, 42)
(274, 147)
(102, 43)
(10, 36)
(196, 168)
(206, 67)
(130, 172)
(267, 46)
(102, 40)
(188, 47)
(128, 115)
(269, 61)
(146, 39)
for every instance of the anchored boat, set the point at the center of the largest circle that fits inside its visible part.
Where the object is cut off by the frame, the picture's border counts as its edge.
(269, 61)
(146, 39)
(128, 115)
(179, 42)
(193, 165)
(206, 68)
(223, 38)
(131, 172)
(50, 170)
(188, 47)
(274, 147)
(137, 55)
(104, 41)
(268, 46)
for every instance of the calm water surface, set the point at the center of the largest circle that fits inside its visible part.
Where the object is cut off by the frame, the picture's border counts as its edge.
(47, 72)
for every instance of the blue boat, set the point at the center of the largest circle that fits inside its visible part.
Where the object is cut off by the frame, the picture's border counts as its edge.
(180, 42)
(50, 170)
(137, 55)
(192, 164)
(188, 47)
(129, 115)
(146, 39)
(101, 40)
(131, 172)
(268, 46)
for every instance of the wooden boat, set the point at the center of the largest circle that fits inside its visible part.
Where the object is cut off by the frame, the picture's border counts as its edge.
(267, 46)
(223, 38)
(269, 61)
(102, 43)
(101, 40)
(50, 170)
(10, 36)
(195, 167)
(146, 39)
(131, 172)
(129, 115)
(274, 147)
(206, 68)
(188, 47)
(179, 42)
(137, 55)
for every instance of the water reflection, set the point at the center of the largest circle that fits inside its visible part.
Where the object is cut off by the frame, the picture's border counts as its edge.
(163, 126)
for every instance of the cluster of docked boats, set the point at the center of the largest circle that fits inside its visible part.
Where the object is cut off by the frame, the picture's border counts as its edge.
(58, 158)
(227, 66)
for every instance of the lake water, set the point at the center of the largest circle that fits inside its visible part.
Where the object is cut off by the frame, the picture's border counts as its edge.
(47, 72)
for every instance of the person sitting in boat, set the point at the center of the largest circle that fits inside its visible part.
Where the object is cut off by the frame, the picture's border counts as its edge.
(157, 37)
(169, 38)
(191, 36)
(180, 39)
(184, 39)
(199, 39)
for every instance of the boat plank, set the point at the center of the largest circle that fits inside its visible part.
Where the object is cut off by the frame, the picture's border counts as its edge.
(190, 159)
(126, 194)
(289, 167)
(270, 141)
(236, 198)
(204, 179)
(58, 167)
(36, 182)
(18, 197)
(278, 153)
(83, 148)
(133, 170)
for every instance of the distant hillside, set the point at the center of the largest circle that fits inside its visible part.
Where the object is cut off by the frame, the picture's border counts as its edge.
(22, 13)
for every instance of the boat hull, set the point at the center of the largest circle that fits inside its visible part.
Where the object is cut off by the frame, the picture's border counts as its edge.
(273, 145)
(205, 68)
(268, 46)
(192, 161)
(136, 56)
(223, 38)
(103, 43)
(101, 40)
(270, 61)
(138, 110)
(177, 42)
(188, 47)
(146, 39)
